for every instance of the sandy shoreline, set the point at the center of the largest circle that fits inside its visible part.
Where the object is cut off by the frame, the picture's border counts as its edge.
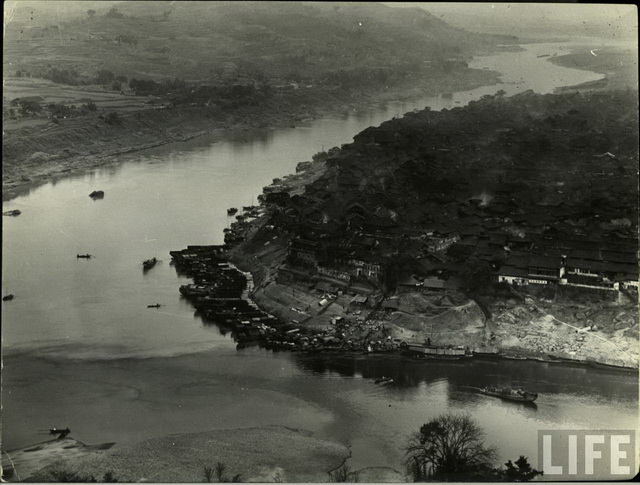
(19, 464)
(263, 454)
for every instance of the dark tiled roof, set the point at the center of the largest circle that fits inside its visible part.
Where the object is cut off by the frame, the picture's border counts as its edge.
(391, 304)
(584, 280)
(620, 257)
(601, 266)
(519, 260)
(507, 270)
(540, 261)
(434, 283)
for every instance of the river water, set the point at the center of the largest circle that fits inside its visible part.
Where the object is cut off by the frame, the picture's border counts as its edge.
(81, 348)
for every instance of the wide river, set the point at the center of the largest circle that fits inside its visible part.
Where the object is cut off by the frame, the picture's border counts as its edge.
(82, 350)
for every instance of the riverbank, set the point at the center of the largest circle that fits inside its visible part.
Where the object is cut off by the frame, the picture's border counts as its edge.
(265, 454)
(618, 64)
(36, 154)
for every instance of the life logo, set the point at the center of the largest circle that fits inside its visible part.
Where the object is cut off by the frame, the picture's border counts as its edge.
(587, 455)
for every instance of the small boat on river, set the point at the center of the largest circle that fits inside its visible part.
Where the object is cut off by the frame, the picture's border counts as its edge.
(97, 194)
(9, 297)
(149, 263)
(61, 433)
(157, 305)
(83, 256)
(509, 394)
(384, 380)
(14, 212)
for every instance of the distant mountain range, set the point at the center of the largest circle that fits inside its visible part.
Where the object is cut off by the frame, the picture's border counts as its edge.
(198, 39)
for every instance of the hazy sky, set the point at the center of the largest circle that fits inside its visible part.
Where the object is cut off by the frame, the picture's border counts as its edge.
(508, 18)
(528, 16)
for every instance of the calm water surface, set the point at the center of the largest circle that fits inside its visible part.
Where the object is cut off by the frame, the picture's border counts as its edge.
(82, 349)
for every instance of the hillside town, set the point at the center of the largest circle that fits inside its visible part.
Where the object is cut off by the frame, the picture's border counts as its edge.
(435, 229)
(444, 205)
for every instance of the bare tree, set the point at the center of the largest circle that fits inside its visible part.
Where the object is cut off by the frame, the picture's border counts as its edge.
(208, 473)
(220, 468)
(448, 447)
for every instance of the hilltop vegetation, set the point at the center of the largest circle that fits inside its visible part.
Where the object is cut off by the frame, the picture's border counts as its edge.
(212, 40)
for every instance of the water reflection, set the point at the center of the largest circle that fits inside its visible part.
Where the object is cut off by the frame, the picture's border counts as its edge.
(467, 376)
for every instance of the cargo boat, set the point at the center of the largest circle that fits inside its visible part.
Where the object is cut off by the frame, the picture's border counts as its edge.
(383, 380)
(509, 394)
(435, 352)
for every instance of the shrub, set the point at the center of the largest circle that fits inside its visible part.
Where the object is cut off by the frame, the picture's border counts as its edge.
(113, 119)
(114, 14)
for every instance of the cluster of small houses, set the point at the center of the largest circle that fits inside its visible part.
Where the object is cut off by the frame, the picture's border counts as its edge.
(349, 228)
(357, 256)
(534, 227)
